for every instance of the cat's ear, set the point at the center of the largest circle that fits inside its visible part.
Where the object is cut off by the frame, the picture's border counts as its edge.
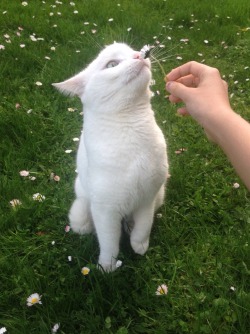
(72, 86)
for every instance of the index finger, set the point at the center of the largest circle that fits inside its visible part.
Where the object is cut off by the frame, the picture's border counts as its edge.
(192, 67)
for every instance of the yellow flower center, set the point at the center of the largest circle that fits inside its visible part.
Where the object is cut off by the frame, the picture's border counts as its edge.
(34, 300)
(85, 271)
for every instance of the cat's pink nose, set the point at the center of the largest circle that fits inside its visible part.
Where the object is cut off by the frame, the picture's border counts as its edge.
(137, 55)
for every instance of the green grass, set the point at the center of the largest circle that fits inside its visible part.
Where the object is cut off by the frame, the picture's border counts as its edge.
(199, 247)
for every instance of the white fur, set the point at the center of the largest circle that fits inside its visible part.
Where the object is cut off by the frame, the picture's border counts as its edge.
(121, 161)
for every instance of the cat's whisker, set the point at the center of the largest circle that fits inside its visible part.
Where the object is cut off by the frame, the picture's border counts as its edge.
(159, 64)
(154, 59)
(163, 41)
(160, 55)
(157, 49)
(159, 61)
(158, 52)
(164, 58)
(96, 44)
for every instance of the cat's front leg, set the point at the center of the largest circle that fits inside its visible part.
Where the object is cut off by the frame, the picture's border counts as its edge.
(143, 221)
(107, 221)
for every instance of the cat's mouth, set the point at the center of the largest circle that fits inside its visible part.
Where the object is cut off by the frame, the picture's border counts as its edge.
(138, 67)
(141, 64)
(144, 61)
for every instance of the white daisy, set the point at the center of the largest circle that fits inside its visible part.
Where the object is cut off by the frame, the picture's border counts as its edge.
(118, 263)
(15, 202)
(85, 271)
(24, 173)
(161, 290)
(33, 299)
(38, 197)
(55, 328)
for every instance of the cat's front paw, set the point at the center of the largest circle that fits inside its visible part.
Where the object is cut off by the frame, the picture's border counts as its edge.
(140, 247)
(107, 266)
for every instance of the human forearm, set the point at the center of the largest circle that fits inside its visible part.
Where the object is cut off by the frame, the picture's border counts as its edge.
(232, 134)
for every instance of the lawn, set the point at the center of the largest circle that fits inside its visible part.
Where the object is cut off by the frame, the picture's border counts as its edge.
(199, 245)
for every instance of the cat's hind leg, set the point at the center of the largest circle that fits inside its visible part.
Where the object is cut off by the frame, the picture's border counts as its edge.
(143, 219)
(79, 217)
(79, 214)
(159, 199)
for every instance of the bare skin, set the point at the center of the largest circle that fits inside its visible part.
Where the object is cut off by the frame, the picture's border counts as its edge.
(205, 96)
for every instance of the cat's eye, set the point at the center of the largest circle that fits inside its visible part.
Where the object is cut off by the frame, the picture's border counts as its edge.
(112, 63)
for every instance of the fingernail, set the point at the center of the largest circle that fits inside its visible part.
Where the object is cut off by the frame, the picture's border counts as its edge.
(168, 85)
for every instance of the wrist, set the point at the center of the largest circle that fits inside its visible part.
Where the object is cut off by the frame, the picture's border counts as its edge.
(219, 123)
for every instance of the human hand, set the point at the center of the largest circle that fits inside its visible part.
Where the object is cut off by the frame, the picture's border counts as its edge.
(205, 96)
(202, 90)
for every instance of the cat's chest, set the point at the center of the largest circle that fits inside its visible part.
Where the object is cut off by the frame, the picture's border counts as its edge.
(118, 153)
(118, 133)
(117, 141)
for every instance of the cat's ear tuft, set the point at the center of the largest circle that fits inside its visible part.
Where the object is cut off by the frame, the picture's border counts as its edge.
(72, 86)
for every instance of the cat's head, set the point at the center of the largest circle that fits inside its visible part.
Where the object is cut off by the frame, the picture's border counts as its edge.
(118, 71)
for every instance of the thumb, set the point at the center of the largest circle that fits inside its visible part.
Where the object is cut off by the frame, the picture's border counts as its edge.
(178, 90)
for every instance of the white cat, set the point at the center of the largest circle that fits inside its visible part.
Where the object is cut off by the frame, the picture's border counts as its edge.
(121, 161)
